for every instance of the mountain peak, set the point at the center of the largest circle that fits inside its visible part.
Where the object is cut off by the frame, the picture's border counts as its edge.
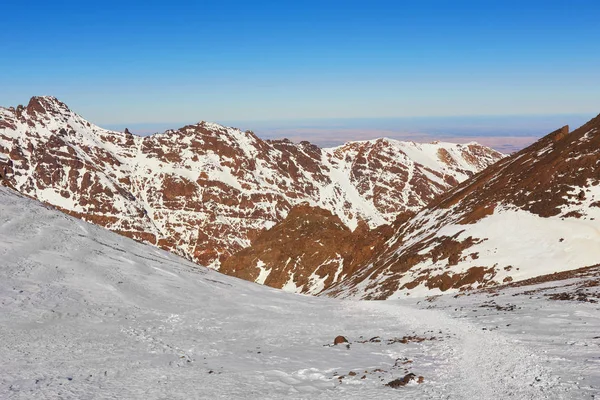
(46, 105)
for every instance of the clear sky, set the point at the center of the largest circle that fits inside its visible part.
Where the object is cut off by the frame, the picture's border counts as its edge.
(172, 61)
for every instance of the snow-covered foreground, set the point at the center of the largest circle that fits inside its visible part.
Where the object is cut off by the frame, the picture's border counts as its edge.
(90, 314)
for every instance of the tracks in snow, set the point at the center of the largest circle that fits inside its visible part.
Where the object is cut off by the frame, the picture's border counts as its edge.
(480, 364)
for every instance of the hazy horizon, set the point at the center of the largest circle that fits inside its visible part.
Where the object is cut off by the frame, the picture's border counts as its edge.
(505, 133)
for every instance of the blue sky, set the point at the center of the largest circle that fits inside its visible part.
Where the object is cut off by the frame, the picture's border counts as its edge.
(173, 62)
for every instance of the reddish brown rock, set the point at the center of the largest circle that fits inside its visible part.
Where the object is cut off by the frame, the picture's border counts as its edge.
(401, 382)
(339, 340)
(311, 249)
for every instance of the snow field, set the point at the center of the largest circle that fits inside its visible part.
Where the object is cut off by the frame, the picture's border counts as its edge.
(90, 314)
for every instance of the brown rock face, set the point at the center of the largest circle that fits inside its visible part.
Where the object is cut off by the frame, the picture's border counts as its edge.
(400, 382)
(418, 184)
(307, 252)
(204, 190)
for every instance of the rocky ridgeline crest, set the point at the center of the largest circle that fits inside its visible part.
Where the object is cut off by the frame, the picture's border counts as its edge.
(206, 191)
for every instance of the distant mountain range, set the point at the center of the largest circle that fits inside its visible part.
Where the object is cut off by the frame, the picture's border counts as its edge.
(206, 191)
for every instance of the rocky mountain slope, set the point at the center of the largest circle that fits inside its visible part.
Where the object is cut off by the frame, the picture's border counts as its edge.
(205, 191)
(310, 250)
(534, 213)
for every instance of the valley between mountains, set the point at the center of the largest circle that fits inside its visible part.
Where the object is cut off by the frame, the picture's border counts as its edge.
(120, 257)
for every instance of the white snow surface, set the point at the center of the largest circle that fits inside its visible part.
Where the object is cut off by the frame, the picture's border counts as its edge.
(520, 244)
(89, 314)
(264, 272)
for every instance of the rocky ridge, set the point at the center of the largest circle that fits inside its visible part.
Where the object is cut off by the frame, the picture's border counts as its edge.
(205, 191)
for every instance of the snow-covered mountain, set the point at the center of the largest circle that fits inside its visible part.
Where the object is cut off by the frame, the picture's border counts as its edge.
(89, 314)
(536, 212)
(205, 191)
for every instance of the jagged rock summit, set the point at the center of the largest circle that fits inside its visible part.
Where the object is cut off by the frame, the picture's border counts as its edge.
(205, 191)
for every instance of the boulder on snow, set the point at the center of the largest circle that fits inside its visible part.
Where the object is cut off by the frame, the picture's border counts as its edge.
(396, 383)
(339, 340)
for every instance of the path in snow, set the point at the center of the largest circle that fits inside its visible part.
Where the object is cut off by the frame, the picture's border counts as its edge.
(481, 364)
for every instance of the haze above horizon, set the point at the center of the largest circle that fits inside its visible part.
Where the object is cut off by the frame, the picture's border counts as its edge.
(155, 62)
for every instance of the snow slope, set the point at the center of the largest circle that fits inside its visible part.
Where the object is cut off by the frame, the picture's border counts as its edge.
(87, 313)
